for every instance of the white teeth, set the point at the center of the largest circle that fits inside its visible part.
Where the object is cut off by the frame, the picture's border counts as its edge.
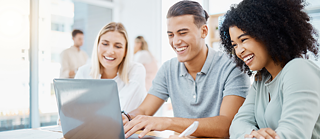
(248, 57)
(181, 49)
(108, 58)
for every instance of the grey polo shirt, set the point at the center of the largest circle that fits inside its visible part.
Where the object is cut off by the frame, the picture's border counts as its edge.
(201, 97)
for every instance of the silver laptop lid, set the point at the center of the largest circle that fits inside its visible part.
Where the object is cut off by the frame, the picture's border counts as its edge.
(89, 108)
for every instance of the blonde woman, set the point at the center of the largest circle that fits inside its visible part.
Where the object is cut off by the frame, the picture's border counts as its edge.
(142, 55)
(111, 60)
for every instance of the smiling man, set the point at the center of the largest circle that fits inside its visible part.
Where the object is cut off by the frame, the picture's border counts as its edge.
(204, 85)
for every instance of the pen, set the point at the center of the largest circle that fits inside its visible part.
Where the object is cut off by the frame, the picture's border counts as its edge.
(193, 127)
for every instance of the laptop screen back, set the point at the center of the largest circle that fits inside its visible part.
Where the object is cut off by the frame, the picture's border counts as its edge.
(89, 108)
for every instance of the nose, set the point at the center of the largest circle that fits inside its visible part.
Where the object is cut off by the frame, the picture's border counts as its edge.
(176, 41)
(110, 50)
(239, 50)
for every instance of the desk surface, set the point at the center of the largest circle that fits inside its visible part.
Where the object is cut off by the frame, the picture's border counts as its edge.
(54, 132)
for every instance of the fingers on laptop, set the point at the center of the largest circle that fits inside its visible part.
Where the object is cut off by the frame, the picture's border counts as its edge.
(136, 124)
(133, 126)
(146, 130)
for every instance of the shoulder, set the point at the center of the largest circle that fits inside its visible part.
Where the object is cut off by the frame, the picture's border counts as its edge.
(300, 69)
(300, 66)
(142, 56)
(83, 52)
(143, 53)
(299, 62)
(224, 59)
(65, 52)
(172, 63)
(84, 72)
(224, 62)
(136, 67)
(85, 68)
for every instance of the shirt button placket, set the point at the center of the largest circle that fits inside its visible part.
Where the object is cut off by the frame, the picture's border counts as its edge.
(194, 94)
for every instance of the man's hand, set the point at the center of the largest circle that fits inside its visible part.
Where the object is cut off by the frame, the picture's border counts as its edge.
(264, 133)
(147, 123)
(72, 74)
(125, 119)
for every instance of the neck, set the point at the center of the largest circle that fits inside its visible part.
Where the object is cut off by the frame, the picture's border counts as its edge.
(195, 65)
(109, 73)
(273, 69)
(78, 47)
(135, 51)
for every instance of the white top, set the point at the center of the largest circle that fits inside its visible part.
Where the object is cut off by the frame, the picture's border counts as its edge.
(150, 63)
(132, 94)
(71, 60)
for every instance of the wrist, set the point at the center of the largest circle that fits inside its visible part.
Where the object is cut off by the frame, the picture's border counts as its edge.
(127, 115)
(170, 123)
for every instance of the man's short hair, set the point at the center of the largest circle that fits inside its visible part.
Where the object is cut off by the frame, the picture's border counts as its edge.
(75, 32)
(187, 7)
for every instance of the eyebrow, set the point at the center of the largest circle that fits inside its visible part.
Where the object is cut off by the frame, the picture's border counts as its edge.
(183, 29)
(244, 34)
(115, 43)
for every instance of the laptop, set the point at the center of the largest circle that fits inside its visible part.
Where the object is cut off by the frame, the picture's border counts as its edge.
(90, 108)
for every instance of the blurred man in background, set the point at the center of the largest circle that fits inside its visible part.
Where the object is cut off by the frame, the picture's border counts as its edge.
(73, 58)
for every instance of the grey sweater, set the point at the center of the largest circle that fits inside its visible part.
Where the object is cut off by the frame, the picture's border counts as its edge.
(294, 109)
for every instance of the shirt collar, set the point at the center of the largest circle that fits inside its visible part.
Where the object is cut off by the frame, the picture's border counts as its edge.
(209, 60)
(206, 66)
(182, 69)
(75, 48)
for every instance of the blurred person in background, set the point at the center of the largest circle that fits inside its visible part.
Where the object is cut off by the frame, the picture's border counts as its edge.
(73, 58)
(111, 60)
(143, 55)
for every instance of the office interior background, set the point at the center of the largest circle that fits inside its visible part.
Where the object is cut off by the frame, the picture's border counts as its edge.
(33, 33)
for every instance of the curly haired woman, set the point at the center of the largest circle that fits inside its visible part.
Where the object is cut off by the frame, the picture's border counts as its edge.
(273, 37)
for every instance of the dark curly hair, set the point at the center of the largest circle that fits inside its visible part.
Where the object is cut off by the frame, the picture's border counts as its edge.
(280, 25)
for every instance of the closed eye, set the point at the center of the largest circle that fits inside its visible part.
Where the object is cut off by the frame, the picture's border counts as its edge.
(234, 45)
(244, 39)
(182, 33)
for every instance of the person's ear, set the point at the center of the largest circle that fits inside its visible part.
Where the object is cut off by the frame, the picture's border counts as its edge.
(204, 31)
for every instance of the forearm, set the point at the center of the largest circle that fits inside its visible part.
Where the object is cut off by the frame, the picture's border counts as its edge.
(217, 126)
(139, 111)
(149, 106)
(135, 113)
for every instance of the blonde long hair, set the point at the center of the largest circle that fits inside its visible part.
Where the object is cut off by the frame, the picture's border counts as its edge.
(97, 68)
(144, 44)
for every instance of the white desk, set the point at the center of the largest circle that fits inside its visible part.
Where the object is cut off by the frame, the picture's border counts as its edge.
(55, 132)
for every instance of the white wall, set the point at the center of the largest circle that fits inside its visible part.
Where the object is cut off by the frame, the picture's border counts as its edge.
(142, 17)
(90, 19)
